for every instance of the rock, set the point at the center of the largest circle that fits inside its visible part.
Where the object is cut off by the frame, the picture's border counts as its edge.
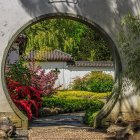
(47, 111)
(124, 134)
(6, 127)
(3, 135)
(52, 111)
(59, 110)
(113, 129)
(130, 132)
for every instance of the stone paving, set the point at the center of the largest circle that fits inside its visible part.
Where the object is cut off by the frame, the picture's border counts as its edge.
(72, 119)
(67, 133)
(64, 127)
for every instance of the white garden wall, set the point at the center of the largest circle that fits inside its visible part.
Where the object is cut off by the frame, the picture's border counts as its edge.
(68, 74)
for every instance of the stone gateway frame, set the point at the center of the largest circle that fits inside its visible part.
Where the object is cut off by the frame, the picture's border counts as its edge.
(101, 15)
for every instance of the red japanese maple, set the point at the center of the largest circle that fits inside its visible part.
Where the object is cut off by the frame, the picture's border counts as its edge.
(26, 85)
(26, 98)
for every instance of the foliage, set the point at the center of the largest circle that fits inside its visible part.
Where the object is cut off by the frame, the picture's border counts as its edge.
(69, 36)
(27, 85)
(19, 73)
(27, 98)
(72, 101)
(90, 116)
(41, 80)
(95, 82)
(129, 42)
(80, 94)
(72, 104)
(33, 75)
(93, 47)
(79, 84)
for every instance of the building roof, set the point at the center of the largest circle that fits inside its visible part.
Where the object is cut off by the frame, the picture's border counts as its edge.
(57, 55)
(91, 64)
(54, 55)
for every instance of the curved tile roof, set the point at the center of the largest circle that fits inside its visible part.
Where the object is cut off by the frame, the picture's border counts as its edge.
(55, 55)
(91, 64)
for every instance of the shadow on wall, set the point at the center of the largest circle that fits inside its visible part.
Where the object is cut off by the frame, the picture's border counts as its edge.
(106, 13)
(128, 106)
(106, 9)
(34, 7)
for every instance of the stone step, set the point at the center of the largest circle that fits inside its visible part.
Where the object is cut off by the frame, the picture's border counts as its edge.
(73, 119)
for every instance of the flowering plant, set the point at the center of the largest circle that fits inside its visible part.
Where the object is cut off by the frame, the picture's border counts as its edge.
(26, 85)
(26, 98)
(41, 80)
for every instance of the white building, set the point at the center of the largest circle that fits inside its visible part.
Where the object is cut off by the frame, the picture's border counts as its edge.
(68, 68)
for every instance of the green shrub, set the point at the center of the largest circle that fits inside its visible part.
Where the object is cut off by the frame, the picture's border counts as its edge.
(80, 94)
(19, 72)
(72, 104)
(73, 101)
(90, 115)
(95, 82)
(79, 84)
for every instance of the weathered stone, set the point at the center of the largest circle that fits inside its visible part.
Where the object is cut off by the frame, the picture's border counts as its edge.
(3, 135)
(7, 128)
(129, 132)
(59, 110)
(123, 133)
(52, 111)
(113, 129)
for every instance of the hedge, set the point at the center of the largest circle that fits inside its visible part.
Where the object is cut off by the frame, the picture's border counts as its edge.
(72, 104)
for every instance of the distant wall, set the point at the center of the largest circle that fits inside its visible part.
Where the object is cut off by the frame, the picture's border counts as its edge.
(68, 74)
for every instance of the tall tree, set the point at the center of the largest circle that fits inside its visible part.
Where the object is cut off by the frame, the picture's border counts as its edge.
(69, 36)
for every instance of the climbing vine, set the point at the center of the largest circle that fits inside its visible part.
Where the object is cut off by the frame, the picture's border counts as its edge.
(129, 42)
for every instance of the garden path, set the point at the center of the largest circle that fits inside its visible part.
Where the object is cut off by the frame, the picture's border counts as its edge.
(64, 127)
(72, 119)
